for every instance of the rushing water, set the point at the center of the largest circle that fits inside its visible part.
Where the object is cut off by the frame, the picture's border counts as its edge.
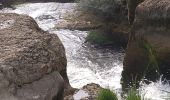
(86, 64)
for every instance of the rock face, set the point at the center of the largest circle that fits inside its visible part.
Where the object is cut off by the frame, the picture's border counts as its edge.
(32, 62)
(131, 5)
(148, 51)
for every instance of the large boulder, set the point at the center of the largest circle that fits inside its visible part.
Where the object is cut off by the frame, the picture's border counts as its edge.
(32, 61)
(148, 51)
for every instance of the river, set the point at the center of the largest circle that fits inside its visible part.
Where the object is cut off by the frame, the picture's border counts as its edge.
(86, 63)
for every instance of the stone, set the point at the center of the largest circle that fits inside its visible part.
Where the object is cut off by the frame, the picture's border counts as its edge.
(148, 51)
(76, 19)
(90, 92)
(32, 61)
(44, 89)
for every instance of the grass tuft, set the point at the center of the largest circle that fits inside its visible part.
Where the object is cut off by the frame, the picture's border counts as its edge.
(133, 95)
(106, 94)
(152, 68)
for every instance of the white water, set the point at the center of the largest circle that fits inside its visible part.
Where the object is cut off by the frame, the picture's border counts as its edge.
(156, 90)
(80, 94)
(86, 64)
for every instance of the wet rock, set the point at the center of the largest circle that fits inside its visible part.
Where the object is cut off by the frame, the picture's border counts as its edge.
(32, 61)
(87, 92)
(148, 51)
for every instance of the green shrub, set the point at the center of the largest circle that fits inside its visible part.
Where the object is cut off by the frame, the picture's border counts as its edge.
(106, 94)
(108, 9)
(99, 38)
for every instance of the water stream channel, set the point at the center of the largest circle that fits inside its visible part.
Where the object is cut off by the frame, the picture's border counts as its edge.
(86, 64)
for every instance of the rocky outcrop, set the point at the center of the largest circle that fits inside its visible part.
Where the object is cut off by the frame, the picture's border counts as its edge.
(76, 19)
(32, 61)
(148, 51)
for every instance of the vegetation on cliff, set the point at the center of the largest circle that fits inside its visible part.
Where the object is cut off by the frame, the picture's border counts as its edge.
(114, 29)
(107, 94)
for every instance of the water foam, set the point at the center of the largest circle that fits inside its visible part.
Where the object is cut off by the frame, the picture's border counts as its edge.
(86, 64)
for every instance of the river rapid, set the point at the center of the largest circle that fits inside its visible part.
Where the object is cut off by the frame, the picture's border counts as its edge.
(86, 63)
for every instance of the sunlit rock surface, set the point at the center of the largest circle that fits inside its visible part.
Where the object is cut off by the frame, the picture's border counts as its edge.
(32, 61)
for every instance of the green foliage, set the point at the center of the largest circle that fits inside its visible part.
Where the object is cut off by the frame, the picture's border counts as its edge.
(106, 94)
(99, 38)
(133, 94)
(152, 61)
(108, 9)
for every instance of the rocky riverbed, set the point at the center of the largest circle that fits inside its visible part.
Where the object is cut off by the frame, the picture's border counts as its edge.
(85, 63)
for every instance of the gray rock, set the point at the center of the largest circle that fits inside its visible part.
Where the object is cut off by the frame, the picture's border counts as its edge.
(28, 58)
(50, 87)
(90, 92)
